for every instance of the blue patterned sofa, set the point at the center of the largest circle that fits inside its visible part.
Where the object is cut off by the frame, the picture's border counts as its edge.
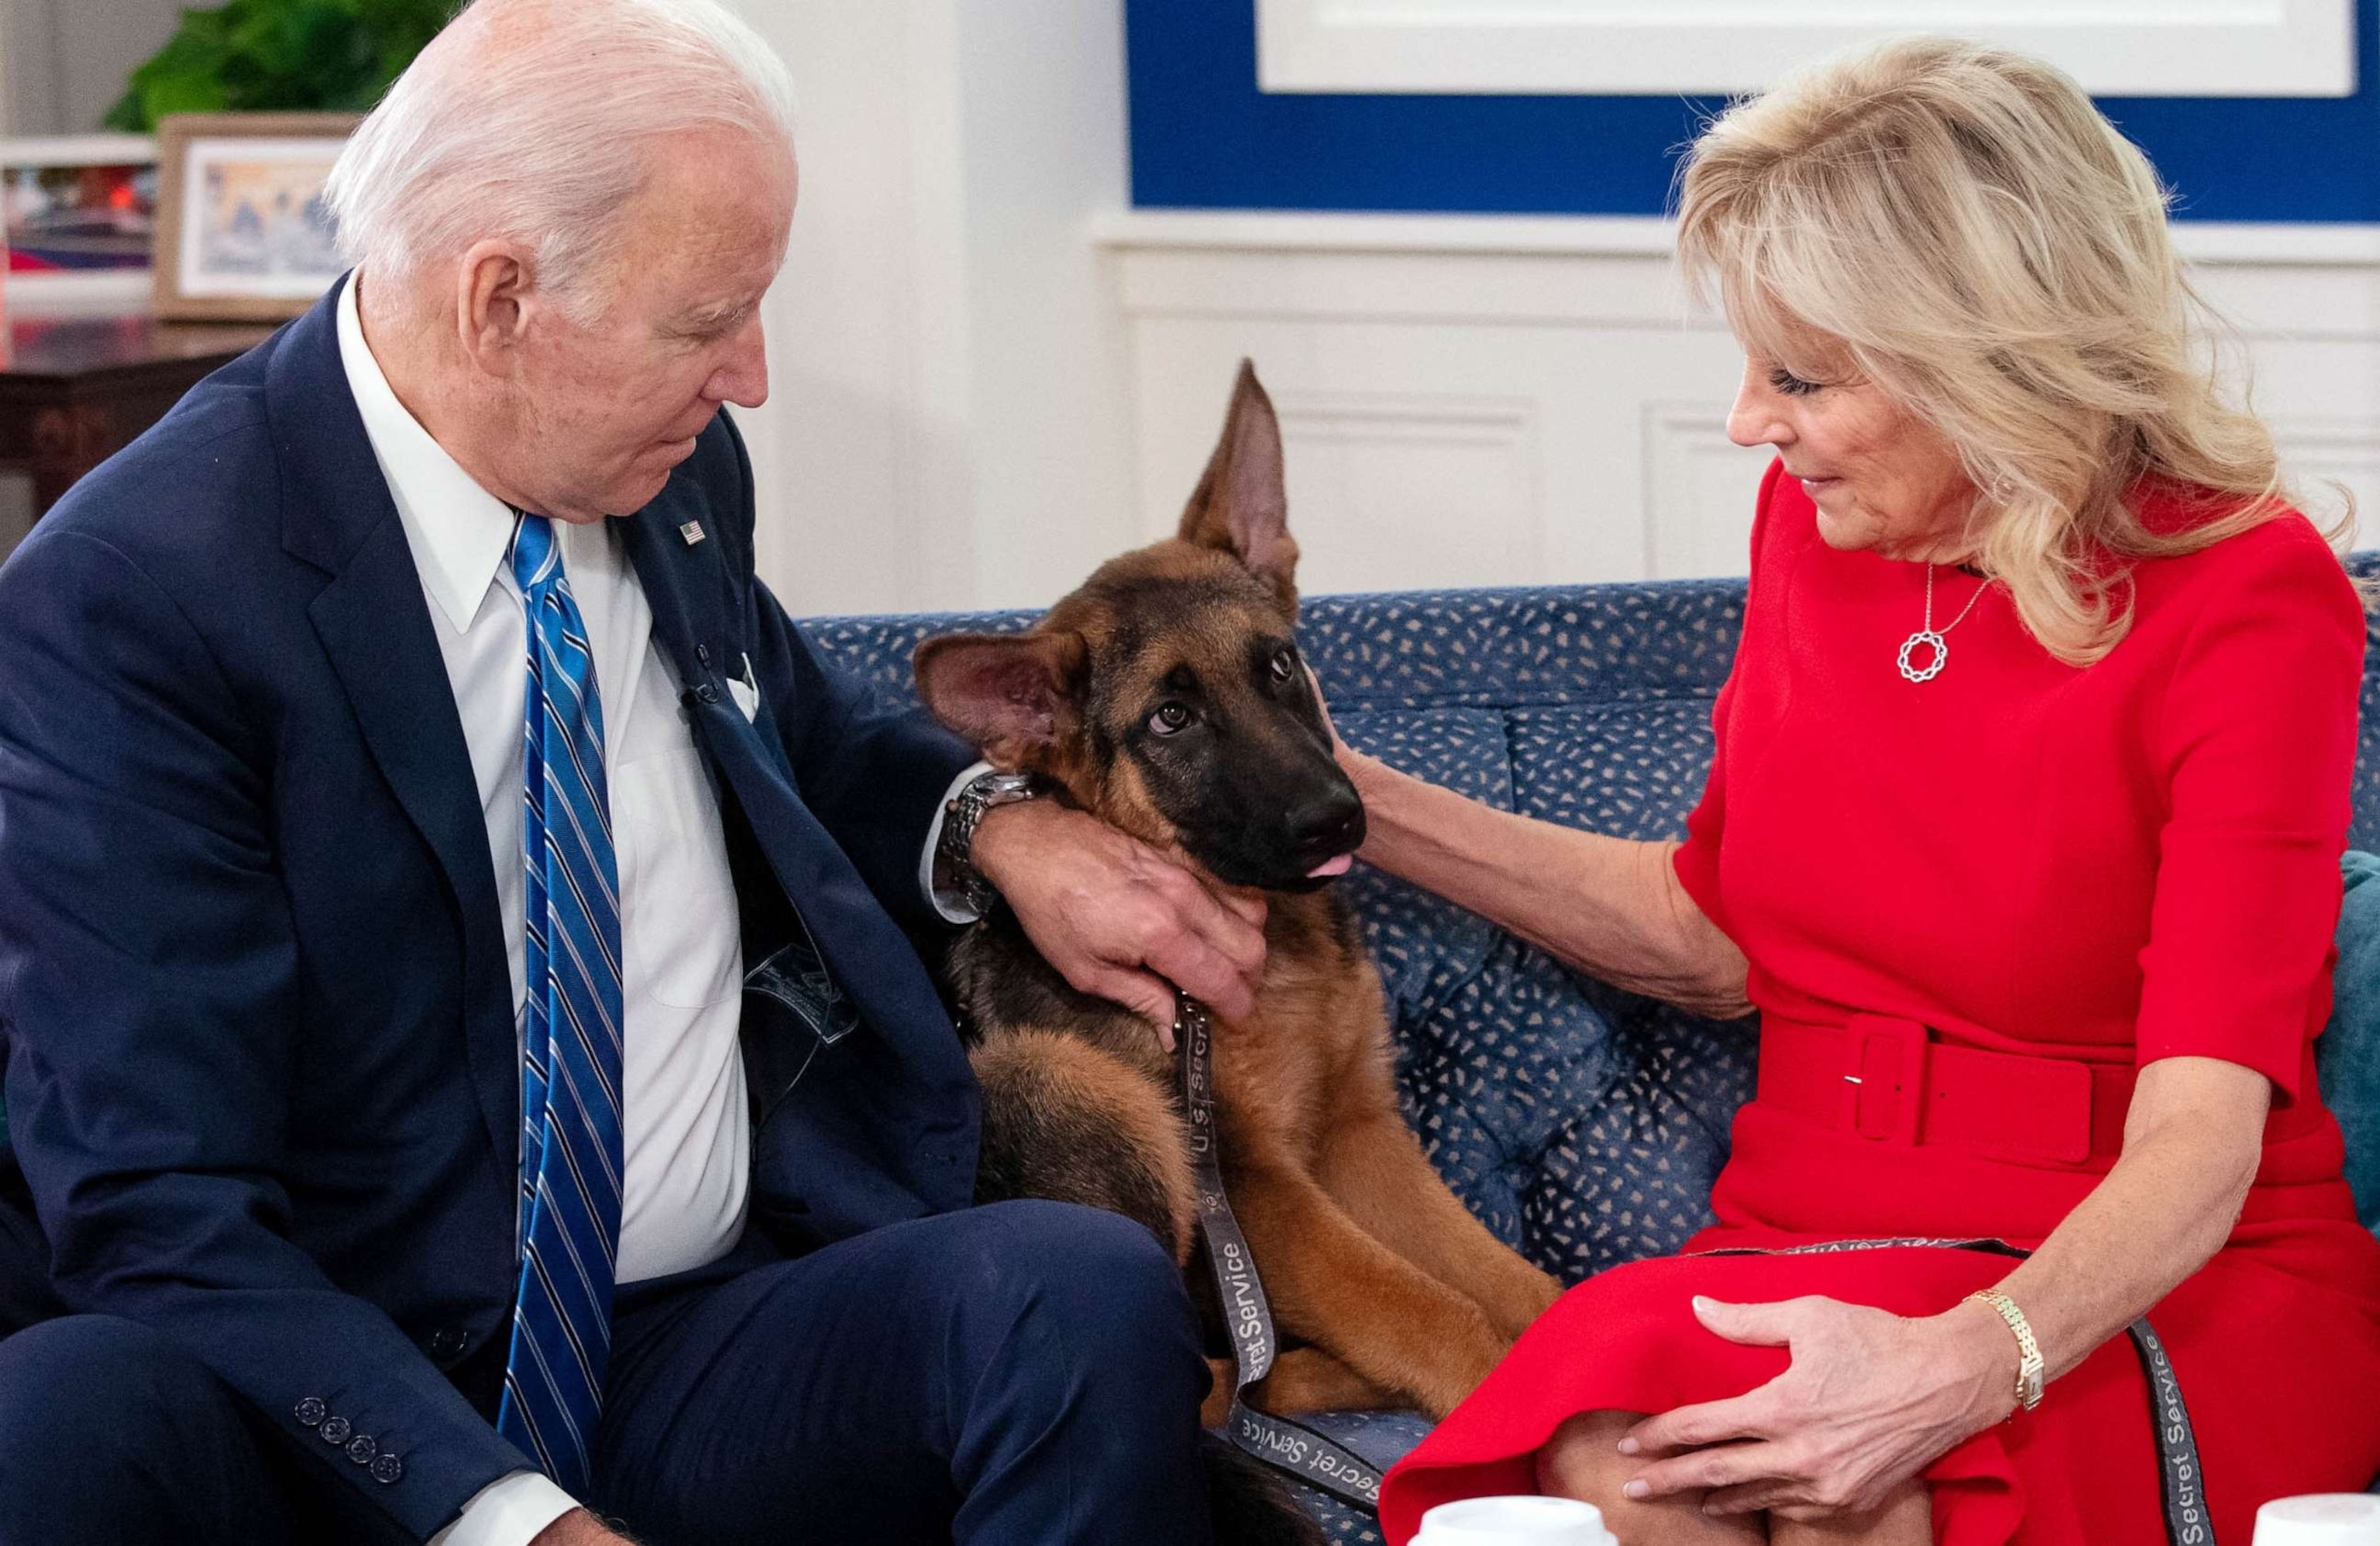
(1585, 1125)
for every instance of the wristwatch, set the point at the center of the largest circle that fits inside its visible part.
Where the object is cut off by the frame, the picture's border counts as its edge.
(955, 870)
(2028, 1351)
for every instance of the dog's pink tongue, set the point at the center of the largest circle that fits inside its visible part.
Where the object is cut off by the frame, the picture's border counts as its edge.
(1340, 866)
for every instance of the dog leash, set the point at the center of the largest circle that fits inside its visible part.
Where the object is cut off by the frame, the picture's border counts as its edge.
(1320, 1462)
(2182, 1480)
(1286, 1446)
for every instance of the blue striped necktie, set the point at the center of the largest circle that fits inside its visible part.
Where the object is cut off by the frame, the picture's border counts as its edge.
(570, 1058)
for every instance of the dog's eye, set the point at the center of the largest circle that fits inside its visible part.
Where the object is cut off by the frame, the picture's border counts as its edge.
(1284, 664)
(1167, 719)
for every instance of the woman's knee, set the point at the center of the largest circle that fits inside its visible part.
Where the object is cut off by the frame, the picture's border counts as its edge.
(1582, 1459)
(1904, 1519)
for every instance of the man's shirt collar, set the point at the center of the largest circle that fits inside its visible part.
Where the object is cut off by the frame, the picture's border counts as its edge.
(458, 531)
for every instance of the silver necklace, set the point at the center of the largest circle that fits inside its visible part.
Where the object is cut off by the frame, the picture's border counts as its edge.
(1928, 638)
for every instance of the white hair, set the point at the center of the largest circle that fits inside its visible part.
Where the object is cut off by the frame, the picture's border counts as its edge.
(533, 119)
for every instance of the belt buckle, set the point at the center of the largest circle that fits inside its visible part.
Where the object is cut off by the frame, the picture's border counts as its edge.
(1884, 1057)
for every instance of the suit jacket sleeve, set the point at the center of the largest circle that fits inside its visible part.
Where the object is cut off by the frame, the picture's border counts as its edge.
(149, 985)
(874, 771)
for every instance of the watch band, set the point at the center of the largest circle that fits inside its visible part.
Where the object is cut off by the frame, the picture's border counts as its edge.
(2028, 1364)
(954, 855)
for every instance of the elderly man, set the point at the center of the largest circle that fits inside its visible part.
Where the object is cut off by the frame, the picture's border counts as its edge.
(462, 1057)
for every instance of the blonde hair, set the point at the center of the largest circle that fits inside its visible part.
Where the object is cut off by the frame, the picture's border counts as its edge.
(1993, 254)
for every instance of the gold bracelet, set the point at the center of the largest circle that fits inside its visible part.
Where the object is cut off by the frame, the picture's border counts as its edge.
(2028, 1363)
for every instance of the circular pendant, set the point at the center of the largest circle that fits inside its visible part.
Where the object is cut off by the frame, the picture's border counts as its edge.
(1925, 638)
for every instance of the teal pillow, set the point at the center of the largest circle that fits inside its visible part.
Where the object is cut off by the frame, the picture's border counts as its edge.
(2349, 1053)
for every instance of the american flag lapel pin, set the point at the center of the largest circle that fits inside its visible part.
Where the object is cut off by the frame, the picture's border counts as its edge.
(692, 532)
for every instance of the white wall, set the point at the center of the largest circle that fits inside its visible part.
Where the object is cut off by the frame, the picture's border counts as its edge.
(63, 62)
(1474, 399)
(988, 375)
(946, 426)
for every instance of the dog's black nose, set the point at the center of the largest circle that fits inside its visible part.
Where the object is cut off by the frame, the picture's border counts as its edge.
(1330, 824)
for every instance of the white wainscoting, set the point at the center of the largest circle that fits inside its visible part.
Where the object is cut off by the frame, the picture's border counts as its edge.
(1502, 400)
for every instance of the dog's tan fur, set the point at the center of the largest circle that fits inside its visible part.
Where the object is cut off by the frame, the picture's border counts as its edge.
(1389, 1292)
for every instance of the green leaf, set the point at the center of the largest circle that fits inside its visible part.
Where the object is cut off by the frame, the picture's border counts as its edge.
(183, 95)
(270, 55)
(272, 41)
(128, 114)
(177, 79)
(208, 26)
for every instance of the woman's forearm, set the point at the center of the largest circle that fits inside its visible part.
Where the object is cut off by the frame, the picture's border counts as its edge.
(2191, 1153)
(1608, 906)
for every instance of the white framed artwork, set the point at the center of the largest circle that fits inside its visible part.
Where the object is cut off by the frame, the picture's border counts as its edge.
(243, 232)
(2180, 48)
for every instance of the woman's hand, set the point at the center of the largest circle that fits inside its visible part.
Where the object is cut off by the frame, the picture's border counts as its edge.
(1871, 1398)
(1338, 747)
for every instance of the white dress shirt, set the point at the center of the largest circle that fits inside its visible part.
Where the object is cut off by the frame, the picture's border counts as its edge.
(684, 1126)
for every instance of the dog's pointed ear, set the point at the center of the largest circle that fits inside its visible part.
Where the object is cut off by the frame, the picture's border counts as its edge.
(1241, 506)
(1013, 695)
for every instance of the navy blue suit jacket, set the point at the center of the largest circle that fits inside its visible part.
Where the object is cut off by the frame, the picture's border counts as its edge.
(262, 1082)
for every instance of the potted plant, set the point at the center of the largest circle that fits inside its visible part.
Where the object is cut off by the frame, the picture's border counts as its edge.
(280, 55)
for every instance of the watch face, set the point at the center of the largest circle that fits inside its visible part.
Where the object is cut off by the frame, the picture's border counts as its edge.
(1000, 787)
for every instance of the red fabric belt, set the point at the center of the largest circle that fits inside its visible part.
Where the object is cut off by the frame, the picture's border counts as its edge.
(1889, 1080)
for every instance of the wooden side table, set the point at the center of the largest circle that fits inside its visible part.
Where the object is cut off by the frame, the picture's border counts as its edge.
(76, 390)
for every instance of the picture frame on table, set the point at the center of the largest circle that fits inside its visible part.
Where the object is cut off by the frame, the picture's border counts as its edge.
(242, 231)
(78, 218)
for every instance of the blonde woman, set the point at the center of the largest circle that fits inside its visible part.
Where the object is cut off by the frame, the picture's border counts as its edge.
(2022, 834)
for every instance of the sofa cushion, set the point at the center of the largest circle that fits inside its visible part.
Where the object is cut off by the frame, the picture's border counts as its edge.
(1582, 1124)
(2348, 1057)
(1382, 1438)
(1506, 649)
(1425, 946)
(1431, 650)
(1626, 771)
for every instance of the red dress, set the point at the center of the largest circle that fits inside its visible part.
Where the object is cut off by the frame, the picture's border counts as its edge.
(2065, 873)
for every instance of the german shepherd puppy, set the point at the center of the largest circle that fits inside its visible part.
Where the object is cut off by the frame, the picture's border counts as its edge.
(1167, 696)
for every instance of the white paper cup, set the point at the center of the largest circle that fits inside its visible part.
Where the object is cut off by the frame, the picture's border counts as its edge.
(2320, 1519)
(1515, 1522)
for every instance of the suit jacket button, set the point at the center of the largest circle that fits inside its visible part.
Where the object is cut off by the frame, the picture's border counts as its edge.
(360, 1449)
(387, 1470)
(311, 1411)
(448, 1342)
(707, 693)
(335, 1431)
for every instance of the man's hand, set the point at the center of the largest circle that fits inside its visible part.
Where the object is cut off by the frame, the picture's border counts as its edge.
(1871, 1399)
(1119, 919)
(579, 1528)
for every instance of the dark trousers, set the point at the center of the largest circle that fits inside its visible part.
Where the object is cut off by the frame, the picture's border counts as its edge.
(1023, 1372)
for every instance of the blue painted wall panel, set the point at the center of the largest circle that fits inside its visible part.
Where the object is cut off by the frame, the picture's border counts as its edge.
(1203, 137)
